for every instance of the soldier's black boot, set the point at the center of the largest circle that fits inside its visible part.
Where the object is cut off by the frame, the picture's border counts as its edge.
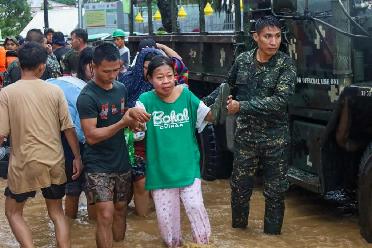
(273, 218)
(241, 191)
(240, 217)
(239, 209)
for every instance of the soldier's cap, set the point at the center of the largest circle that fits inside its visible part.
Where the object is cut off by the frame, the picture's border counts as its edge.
(58, 39)
(12, 38)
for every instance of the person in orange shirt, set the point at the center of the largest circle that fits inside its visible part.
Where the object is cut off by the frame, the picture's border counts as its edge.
(11, 43)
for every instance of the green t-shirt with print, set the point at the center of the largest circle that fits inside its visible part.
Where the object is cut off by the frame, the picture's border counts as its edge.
(172, 152)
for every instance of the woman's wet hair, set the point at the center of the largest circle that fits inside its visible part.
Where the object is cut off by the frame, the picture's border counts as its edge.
(85, 58)
(158, 61)
(31, 55)
(149, 56)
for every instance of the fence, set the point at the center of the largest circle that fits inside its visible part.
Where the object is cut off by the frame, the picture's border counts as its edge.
(218, 21)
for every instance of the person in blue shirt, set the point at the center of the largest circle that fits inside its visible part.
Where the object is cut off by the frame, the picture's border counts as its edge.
(71, 87)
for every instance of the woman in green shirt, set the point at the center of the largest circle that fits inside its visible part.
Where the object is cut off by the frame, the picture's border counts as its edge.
(172, 175)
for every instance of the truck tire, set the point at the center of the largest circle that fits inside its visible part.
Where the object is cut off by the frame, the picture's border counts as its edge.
(365, 194)
(208, 153)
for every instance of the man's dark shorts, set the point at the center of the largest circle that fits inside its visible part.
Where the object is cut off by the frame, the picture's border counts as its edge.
(102, 187)
(73, 187)
(53, 192)
(138, 170)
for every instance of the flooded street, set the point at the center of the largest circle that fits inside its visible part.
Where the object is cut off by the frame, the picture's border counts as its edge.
(309, 222)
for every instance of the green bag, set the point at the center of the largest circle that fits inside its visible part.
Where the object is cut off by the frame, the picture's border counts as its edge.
(129, 138)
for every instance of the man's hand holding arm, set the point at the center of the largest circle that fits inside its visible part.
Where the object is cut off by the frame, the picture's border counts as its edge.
(139, 114)
(132, 119)
(136, 119)
(233, 106)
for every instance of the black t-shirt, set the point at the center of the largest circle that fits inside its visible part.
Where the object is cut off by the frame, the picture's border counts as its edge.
(107, 106)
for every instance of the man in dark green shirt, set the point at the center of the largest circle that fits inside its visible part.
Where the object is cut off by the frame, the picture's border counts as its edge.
(70, 60)
(101, 107)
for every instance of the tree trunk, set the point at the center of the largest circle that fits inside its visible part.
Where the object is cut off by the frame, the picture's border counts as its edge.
(166, 14)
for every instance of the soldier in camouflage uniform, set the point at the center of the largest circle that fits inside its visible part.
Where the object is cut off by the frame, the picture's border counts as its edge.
(262, 81)
(52, 69)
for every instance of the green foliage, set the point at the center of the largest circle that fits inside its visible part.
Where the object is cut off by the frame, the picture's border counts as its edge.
(14, 16)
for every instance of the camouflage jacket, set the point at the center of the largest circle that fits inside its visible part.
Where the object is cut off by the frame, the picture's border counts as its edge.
(70, 62)
(52, 70)
(53, 67)
(262, 90)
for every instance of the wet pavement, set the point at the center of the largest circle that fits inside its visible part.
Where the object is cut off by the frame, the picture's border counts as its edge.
(309, 222)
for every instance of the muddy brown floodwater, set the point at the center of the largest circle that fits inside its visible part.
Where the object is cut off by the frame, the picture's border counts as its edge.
(309, 222)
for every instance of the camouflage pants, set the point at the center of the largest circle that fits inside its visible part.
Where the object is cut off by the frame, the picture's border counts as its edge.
(271, 156)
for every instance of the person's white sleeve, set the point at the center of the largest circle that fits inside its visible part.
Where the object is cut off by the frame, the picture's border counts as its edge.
(202, 112)
(140, 105)
(134, 60)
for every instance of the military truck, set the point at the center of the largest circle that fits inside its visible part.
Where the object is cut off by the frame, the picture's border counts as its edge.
(331, 110)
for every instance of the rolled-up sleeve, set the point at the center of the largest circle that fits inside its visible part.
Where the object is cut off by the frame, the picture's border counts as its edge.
(202, 112)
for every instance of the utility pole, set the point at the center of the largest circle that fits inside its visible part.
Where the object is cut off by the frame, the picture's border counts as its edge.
(131, 15)
(46, 21)
(149, 12)
(80, 13)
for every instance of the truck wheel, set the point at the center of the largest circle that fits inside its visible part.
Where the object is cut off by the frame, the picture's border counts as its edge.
(208, 153)
(365, 194)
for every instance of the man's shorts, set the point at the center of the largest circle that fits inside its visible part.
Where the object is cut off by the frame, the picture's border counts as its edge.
(73, 187)
(102, 187)
(138, 170)
(53, 192)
